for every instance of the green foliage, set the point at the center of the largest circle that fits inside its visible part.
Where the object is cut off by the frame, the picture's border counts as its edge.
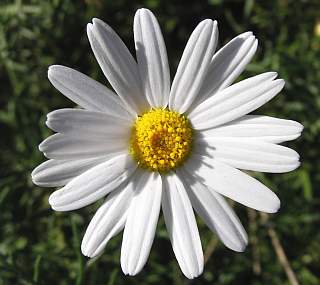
(39, 246)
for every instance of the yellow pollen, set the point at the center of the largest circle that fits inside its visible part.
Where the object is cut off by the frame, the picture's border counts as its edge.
(161, 140)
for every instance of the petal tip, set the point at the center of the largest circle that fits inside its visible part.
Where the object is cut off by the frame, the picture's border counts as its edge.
(96, 21)
(206, 22)
(137, 14)
(275, 208)
(132, 273)
(36, 177)
(57, 70)
(41, 146)
(280, 83)
(35, 172)
(123, 267)
(89, 28)
(47, 122)
(272, 74)
(54, 200)
(51, 70)
(85, 251)
(194, 274)
(144, 10)
(51, 67)
(242, 247)
(246, 34)
(300, 127)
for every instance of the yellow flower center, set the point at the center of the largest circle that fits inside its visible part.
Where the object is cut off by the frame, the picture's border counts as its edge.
(161, 139)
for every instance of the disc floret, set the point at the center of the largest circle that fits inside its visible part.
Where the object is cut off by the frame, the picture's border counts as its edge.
(161, 139)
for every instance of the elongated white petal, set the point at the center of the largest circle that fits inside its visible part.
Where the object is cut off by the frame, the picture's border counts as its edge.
(193, 65)
(249, 154)
(216, 213)
(235, 101)
(256, 127)
(94, 124)
(93, 184)
(232, 183)
(86, 92)
(227, 64)
(152, 58)
(109, 219)
(117, 64)
(182, 227)
(141, 223)
(60, 146)
(54, 173)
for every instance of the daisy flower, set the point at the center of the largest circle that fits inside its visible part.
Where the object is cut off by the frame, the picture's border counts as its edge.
(150, 144)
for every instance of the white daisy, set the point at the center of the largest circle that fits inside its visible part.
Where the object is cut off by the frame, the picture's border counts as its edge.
(150, 145)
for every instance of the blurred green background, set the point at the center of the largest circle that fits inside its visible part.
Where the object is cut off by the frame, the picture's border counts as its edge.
(40, 246)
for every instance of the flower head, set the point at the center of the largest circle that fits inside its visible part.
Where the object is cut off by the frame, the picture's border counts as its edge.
(146, 144)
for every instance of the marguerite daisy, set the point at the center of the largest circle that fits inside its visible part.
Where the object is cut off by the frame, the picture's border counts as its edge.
(152, 145)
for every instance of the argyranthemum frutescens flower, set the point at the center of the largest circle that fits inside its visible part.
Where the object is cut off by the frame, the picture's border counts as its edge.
(150, 145)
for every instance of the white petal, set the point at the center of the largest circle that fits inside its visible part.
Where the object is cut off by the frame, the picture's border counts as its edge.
(227, 64)
(193, 65)
(60, 146)
(94, 124)
(182, 227)
(54, 173)
(216, 213)
(86, 92)
(117, 64)
(232, 183)
(93, 184)
(249, 154)
(109, 219)
(235, 101)
(256, 127)
(141, 223)
(152, 58)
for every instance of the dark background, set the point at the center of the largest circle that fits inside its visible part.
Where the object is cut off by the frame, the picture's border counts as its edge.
(40, 246)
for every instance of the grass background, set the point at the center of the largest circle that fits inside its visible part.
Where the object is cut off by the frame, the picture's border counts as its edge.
(39, 246)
